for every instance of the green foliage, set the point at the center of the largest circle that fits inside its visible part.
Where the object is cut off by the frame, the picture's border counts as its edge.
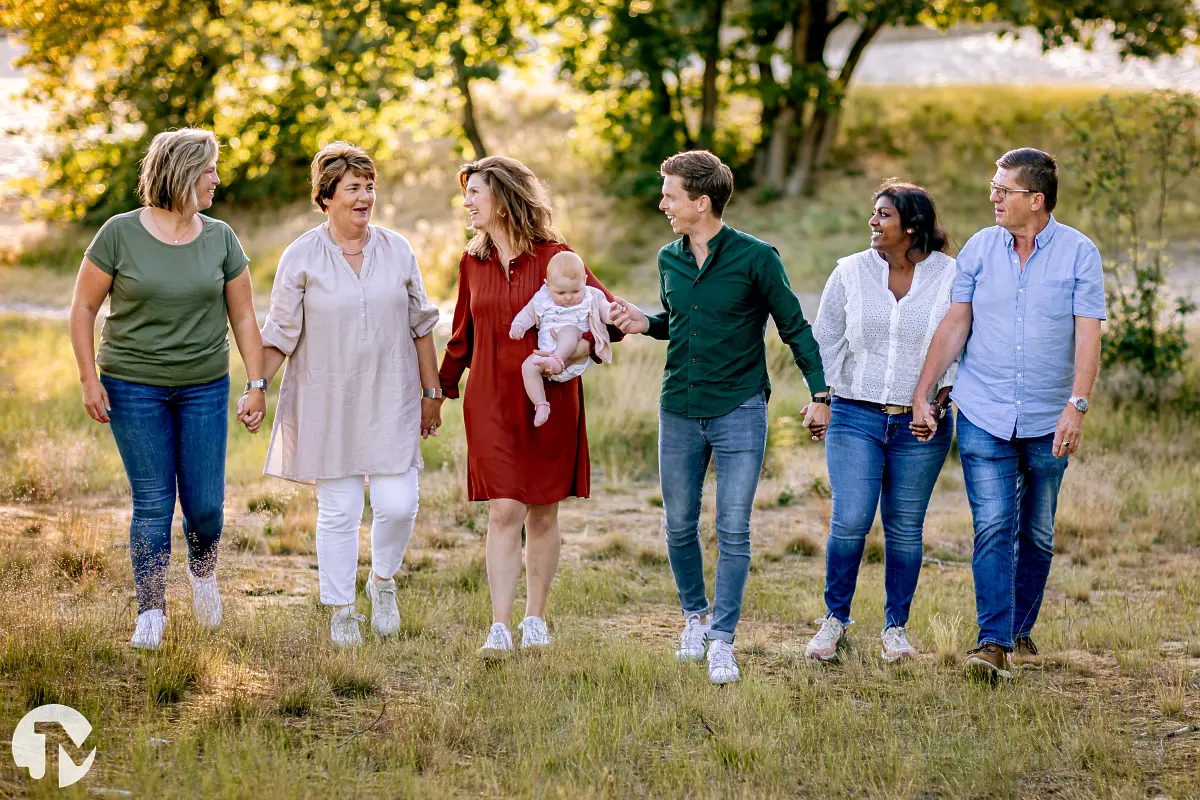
(1133, 154)
(274, 81)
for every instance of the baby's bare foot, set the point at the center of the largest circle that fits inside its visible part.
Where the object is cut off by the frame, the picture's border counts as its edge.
(541, 413)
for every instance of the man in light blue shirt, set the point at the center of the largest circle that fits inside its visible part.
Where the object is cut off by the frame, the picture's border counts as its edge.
(1028, 300)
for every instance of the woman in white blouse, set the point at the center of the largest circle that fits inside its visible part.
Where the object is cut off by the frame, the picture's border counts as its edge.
(878, 314)
(350, 315)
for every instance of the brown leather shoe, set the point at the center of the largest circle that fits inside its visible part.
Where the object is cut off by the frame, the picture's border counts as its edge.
(988, 661)
(1025, 654)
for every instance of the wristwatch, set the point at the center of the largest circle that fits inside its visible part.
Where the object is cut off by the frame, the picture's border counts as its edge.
(939, 409)
(432, 394)
(822, 398)
(261, 383)
(1080, 403)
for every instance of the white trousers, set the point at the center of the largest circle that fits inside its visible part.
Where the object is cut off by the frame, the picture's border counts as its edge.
(339, 513)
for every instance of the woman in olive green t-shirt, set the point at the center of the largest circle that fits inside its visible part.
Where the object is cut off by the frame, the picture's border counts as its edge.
(174, 277)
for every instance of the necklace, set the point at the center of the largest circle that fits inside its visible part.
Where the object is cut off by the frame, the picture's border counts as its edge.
(329, 230)
(154, 222)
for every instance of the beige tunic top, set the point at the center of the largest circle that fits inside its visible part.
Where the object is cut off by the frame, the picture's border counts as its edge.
(350, 400)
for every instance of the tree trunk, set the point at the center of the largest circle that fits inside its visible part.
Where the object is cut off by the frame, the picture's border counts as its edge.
(813, 151)
(712, 57)
(769, 95)
(469, 125)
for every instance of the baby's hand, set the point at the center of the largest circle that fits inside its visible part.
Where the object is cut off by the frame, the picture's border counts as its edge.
(516, 331)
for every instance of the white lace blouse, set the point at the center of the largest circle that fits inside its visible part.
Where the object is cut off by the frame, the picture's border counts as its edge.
(873, 346)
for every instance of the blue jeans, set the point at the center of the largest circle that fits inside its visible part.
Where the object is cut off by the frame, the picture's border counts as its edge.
(736, 443)
(875, 461)
(171, 437)
(1013, 488)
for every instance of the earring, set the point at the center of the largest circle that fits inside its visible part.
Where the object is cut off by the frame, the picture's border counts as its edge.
(912, 230)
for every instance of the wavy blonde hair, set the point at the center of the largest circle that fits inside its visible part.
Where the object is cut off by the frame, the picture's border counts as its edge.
(522, 205)
(173, 164)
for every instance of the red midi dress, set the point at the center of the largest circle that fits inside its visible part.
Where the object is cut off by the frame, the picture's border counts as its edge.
(506, 456)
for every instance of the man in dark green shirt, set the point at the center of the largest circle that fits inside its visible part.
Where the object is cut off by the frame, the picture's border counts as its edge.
(717, 286)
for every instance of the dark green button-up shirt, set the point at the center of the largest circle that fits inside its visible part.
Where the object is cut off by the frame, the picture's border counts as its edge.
(715, 318)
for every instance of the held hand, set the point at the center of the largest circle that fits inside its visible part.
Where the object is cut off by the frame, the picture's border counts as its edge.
(924, 420)
(1068, 433)
(516, 331)
(252, 409)
(95, 400)
(627, 317)
(816, 419)
(431, 416)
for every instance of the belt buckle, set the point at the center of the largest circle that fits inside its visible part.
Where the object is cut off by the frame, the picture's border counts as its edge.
(895, 411)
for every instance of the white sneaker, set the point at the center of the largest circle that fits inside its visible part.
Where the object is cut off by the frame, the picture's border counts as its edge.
(533, 632)
(896, 645)
(385, 617)
(148, 632)
(343, 628)
(499, 642)
(692, 640)
(206, 600)
(721, 666)
(824, 645)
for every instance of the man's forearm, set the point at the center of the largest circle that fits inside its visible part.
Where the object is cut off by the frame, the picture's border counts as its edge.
(948, 342)
(1087, 356)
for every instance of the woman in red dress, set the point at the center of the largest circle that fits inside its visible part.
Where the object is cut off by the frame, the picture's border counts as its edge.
(522, 471)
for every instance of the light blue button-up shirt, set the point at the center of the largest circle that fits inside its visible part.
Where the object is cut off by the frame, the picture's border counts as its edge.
(1018, 367)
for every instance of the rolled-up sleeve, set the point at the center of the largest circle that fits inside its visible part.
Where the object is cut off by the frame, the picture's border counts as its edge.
(285, 321)
(422, 314)
(1088, 299)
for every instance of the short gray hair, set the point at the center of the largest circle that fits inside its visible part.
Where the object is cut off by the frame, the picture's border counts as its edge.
(173, 164)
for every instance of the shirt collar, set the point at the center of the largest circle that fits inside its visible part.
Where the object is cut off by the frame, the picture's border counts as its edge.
(1042, 239)
(685, 245)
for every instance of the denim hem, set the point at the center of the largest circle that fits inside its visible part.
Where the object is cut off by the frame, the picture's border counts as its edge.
(720, 636)
(1005, 646)
(702, 612)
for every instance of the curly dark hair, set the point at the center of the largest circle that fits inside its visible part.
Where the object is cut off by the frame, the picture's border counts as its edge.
(917, 212)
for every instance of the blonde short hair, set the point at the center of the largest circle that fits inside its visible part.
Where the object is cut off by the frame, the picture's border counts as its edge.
(331, 164)
(567, 264)
(173, 164)
(521, 204)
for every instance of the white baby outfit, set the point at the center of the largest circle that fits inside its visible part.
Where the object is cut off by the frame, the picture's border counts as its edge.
(549, 317)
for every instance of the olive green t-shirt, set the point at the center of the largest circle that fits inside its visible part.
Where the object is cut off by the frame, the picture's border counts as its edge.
(167, 323)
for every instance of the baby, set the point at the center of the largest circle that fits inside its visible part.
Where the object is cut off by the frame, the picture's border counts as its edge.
(563, 311)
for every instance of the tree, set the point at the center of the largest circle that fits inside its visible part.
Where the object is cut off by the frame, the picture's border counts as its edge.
(653, 59)
(273, 80)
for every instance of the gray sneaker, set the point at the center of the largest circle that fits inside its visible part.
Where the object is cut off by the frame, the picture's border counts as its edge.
(385, 617)
(343, 627)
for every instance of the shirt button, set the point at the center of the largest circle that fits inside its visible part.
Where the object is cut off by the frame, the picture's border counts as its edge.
(695, 308)
(1022, 291)
(1019, 374)
(693, 333)
(691, 386)
(1018, 347)
(1018, 402)
(1019, 319)
(693, 361)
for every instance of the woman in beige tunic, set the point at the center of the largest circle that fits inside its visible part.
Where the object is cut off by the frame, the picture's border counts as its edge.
(350, 315)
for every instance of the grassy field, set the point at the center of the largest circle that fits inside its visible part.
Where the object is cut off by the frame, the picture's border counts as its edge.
(265, 706)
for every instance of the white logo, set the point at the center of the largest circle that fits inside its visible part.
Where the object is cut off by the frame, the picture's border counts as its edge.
(29, 746)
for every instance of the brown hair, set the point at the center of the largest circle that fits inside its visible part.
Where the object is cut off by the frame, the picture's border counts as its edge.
(703, 174)
(173, 164)
(331, 164)
(522, 205)
(1036, 170)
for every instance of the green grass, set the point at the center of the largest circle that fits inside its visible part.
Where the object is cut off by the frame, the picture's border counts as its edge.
(266, 706)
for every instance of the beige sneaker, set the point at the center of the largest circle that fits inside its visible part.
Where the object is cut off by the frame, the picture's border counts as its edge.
(824, 646)
(896, 646)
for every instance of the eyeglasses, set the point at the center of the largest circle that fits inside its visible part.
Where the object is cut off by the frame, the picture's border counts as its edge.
(1003, 191)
